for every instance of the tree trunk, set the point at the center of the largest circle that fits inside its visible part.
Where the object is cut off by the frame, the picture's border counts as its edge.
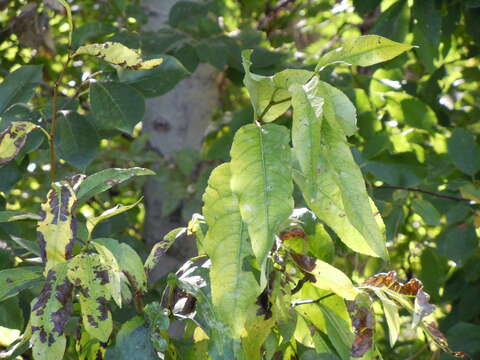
(174, 121)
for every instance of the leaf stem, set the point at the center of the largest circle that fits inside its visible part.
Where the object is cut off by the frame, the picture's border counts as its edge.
(406, 188)
(269, 106)
(310, 301)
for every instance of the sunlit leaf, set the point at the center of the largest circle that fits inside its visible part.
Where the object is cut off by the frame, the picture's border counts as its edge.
(261, 178)
(363, 51)
(13, 138)
(118, 209)
(118, 54)
(234, 288)
(160, 248)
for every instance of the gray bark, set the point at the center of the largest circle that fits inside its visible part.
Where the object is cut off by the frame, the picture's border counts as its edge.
(174, 121)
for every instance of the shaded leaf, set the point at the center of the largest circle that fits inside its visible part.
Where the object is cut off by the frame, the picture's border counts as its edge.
(393, 23)
(91, 277)
(16, 215)
(118, 54)
(427, 211)
(160, 248)
(363, 51)
(13, 138)
(14, 280)
(363, 322)
(464, 151)
(18, 86)
(50, 313)
(116, 105)
(261, 178)
(234, 288)
(437, 336)
(458, 243)
(106, 179)
(57, 229)
(411, 111)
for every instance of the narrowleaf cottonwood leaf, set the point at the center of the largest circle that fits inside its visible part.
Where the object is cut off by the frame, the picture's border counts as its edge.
(118, 54)
(363, 51)
(50, 313)
(234, 288)
(91, 276)
(116, 210)
(14, 280)
(160, 248)
(57, 229)
(16, 215)
(262, 180)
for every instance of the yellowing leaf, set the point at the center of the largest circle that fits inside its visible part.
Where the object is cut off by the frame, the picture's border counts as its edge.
(330, 278)
(118, 54)
(90, 275)
(13, 138)
(50, 313)
(118, 209)
(56, 230)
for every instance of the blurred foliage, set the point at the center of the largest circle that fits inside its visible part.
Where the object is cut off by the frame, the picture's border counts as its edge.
(417, 145)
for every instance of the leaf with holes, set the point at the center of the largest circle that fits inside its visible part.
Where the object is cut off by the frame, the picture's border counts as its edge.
(57, 229)
(262, 180)
(234, 288)
(50, 313)
(91, 277)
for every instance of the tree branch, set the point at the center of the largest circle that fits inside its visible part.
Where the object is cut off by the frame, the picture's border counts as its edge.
(407, 188)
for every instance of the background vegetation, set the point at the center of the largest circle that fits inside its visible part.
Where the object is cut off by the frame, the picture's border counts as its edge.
(417, 143)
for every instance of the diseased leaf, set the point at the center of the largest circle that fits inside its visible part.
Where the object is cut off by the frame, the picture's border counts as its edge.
(160, 248)
(118, 54)
(105, 179)
(128, 261)
(18, 86)
(234, 288)
(266, 89)
(437, 336)
(57, 229)
(118, 209)
(363, 322)
(91, 277)
(363, 51)
(116, 105)
(50, 313)
(114, 273)
(13, 138)
(16, 215)
(14, 280)
(262, 180)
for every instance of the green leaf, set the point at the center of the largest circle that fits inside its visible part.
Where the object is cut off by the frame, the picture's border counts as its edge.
(12, 281)
(56, 231)
(118, 209)
(106, 179)
(13, 138)
(464, 151)
(363, 51)
(50, 313)
(262, 180)
(394, 22)
(160, 248)
(427, 211)
(89, 31)
(269, 94)
(411, 111)
(458, 243)
(90, 276)
(129, 262)
(390, 310)
(118, 54)
(427, 31)
(157, 81)
(332, 279)
(116, 105)
(18, 86)
(76, 139)
(15, 215)
(234, 288)
(133, 342)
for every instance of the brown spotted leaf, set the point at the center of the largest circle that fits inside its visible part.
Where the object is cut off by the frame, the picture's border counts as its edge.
(13, 138)
(389, 280)
(50, 313)
(91, 277)
(441, 341)
(363, 322)
(57, 229)
(162, 247)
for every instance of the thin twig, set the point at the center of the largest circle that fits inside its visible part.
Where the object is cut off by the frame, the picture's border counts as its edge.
(407, 188)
